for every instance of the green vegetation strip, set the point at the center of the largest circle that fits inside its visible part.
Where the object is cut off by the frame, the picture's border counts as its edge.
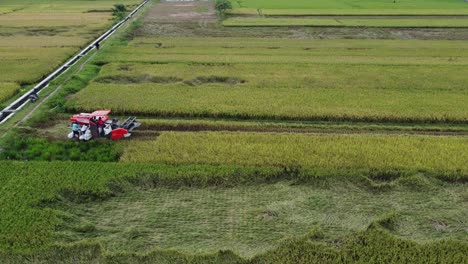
(30, 148)
(165, 124)
(443, 156)
(398, 7)
(348, 22)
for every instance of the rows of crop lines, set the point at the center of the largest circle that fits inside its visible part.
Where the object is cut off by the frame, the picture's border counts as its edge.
(350, 7)
(36, 36)
(339, 13)
(372, 80)
(360, 189)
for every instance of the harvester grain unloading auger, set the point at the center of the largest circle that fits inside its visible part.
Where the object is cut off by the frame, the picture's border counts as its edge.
(98, 125)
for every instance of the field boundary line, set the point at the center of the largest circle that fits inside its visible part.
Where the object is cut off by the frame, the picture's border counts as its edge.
(312, 131)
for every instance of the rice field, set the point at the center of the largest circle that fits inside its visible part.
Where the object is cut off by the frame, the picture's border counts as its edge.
(280, 147)
(354, 7)
(354, 80)
(347, 22)
(380, 14)
(7, 90)
(347, 152)
(37, 37)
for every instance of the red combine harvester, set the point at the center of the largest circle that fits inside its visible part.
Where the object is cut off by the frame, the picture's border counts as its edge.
(97, 124)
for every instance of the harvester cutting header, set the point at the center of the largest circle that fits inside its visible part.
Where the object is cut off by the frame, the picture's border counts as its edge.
(87, 126)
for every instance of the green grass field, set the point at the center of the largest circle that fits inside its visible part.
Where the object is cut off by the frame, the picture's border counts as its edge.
(351, 7)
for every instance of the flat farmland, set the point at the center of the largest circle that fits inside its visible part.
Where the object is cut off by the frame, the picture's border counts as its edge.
(258, 144)
(381, 13)
(442, 156)
(36, 37)
(348, 22)
(350, 7)
(371, 80)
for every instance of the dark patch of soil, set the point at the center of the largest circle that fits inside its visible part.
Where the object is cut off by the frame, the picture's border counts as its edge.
(124, 79)
(214, 79)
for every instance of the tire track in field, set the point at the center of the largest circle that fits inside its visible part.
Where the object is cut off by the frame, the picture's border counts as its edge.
(155, 131)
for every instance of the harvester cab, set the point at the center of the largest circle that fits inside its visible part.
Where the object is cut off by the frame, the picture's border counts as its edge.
(98, 124)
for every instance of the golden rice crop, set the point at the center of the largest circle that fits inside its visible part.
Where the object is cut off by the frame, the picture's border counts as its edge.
(362, 7)
(26, 65)
(359, 80)
(433, 154)
(7, 90)
(53, 19)
(221, 100)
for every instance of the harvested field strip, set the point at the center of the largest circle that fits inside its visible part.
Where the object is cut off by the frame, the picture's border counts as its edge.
(438, 155)
(296, 127)
(138, 55)
(352, 45)
(347, 22)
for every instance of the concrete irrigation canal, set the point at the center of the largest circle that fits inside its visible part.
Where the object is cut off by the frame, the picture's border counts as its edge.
(31, 95)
